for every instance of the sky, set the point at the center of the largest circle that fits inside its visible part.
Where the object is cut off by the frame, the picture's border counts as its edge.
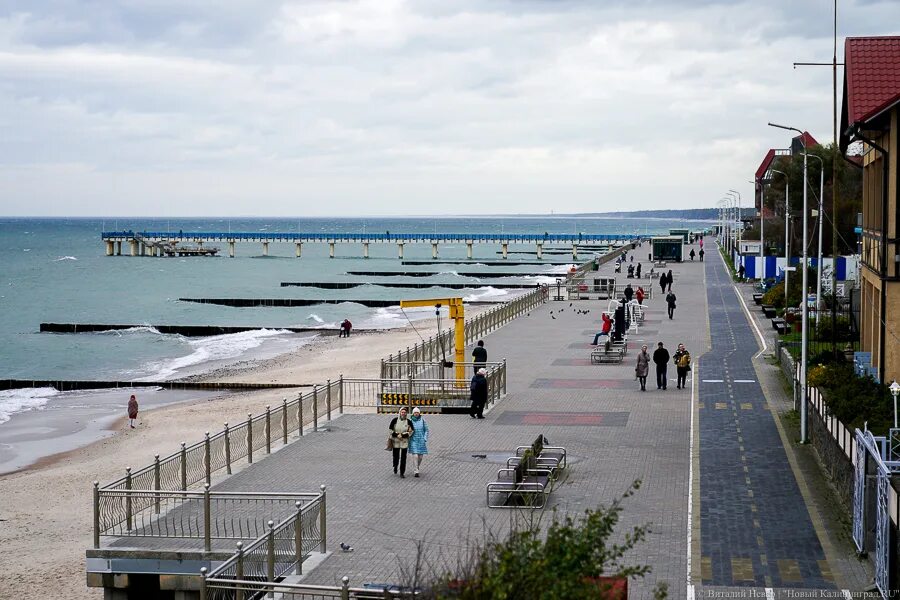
(387, 107)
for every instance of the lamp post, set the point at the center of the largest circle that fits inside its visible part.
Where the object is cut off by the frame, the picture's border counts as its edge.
(740, 223)
(762, 228)
(821, 223)
(787, 230)
(804, 305)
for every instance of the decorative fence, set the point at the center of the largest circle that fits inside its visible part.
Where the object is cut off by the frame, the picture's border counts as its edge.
(217, 587)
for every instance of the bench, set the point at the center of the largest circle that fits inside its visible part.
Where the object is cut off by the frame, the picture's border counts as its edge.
(769, 311)
(757, 298)
(546, 457)
(780, 325)
(524, 486)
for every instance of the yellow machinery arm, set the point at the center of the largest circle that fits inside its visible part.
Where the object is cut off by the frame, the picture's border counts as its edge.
(457, 313)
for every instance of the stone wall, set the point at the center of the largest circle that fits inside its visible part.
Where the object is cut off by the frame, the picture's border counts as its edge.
(835, 463)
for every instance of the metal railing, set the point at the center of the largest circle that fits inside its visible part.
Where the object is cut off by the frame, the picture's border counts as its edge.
(183, 515)
(219, 588)
(428, 369)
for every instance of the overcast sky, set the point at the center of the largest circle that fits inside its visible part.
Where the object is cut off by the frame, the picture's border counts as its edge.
(186, 107)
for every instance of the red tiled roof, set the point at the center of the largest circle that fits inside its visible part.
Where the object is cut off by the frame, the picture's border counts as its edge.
(872, 76)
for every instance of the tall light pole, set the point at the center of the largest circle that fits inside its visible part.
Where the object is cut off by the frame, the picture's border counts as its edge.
(804, 310)
(787, 230)
(762, 228)
(821, 223)
(740, 224)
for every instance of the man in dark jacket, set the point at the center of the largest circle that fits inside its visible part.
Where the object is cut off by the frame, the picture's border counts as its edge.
(661, 359)
(479, 355)
(628, 292)
(479, 388)
(663, 280)
(670, 303)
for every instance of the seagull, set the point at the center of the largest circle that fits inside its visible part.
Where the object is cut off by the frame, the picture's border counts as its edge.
(552, 317)
(570, 304)
(346, 547)
(479, 456)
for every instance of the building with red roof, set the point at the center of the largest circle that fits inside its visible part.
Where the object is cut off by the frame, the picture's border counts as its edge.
(871, 114)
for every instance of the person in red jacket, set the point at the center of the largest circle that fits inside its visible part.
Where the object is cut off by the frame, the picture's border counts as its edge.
(604, 329)
(639, 295)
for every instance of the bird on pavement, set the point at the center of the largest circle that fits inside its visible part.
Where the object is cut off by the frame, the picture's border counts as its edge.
(346, 547)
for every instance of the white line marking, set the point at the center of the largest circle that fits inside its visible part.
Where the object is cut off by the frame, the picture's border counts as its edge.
(690, 499)
(713, 380)
(770, 594)
(750, 318)
(745, 381)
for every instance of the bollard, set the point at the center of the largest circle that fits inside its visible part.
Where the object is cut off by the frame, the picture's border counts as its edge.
(268, 430)
(284, 420)
(328, 397)
(128, 516)
(345, 588)
(341, 394)
(298, 538)
(315, 404)
(239, 569)
(96, 514)
(202, 583)
(249, 438)
(156, 482)
(270, 557)
(322, 521)
(207, 534)
(206, 458)
(227, 449)
(183, 467)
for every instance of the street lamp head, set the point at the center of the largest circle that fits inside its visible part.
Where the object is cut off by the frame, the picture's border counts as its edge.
(895, 388)
(784, 127)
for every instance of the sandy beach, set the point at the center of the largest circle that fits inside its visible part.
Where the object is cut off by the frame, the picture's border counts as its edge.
(45, 510)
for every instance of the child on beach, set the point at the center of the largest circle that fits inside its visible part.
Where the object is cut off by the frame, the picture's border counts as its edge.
(132, 410)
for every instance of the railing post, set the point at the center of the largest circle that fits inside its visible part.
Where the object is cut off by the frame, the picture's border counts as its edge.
(202, 583)
(183, 467)
(268, 429)
(249, 438)
(341, 394)
(381, 370)
(96, 514)
(298, 538)
(207, 458)
(315, 407)
(284, 420)
(322, 532)
(227, 449)
(128, 516)
(409, 390)
(345, 588)
(328, 397)
(270, 557)
(300, 413)
(156, 482)
(239, 569)
(207, 534)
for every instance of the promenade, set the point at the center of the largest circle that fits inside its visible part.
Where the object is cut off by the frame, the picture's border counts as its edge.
(726, 512)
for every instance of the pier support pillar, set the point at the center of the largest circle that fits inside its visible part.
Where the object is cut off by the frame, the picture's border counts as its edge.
(265, 248)
(119, 248)
(540, 251)
(299, 247)
(433, 250)
(330, 249)
(365, 249)
(505, 247)
(231, 248)
(574, 252)
(469, 250)
(110, 247)
(133, 247)
(141, 249)
(400, 251)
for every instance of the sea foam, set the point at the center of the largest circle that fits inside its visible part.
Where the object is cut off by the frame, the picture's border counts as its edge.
(17, 401)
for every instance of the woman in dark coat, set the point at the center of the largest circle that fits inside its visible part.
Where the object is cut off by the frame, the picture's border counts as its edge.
(662, 283)
(132, 410)
(643, 368)
(669, 279)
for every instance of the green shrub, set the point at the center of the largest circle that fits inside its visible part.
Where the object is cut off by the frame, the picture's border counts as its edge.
(851, 399)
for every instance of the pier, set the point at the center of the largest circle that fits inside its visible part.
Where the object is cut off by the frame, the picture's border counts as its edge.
(291, 302)
(188, 330)
(346, 285)
(475, 274)
(153, 243)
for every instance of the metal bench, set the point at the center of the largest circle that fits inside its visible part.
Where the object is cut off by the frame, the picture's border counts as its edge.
(524, 486)
(548, 457)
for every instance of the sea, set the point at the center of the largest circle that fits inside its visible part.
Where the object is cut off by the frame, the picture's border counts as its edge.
(57, 270)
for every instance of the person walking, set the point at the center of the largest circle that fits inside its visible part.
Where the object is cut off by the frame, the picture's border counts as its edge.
(132, 410)
(642, 369)
(741, 272)
(639, 295)
(628, 292)
(692, 254)
(401, 430)
(670, 303)
(702, 252)
(479, 356)
(682, 360)
(418, 443)
(669, 279)
(479, 394)
(662, 283)
(637, 272)
(346, 326)
(661, 360)
(604, 328)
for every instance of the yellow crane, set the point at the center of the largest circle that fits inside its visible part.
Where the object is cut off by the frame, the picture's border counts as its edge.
(457, 313)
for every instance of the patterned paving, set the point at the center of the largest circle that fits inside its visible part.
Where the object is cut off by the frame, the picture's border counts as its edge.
(564, 419)
(755, 527)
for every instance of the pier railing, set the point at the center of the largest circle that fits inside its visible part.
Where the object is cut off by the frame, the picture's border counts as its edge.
(216, 587)
(436, 369)
(193, 515)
